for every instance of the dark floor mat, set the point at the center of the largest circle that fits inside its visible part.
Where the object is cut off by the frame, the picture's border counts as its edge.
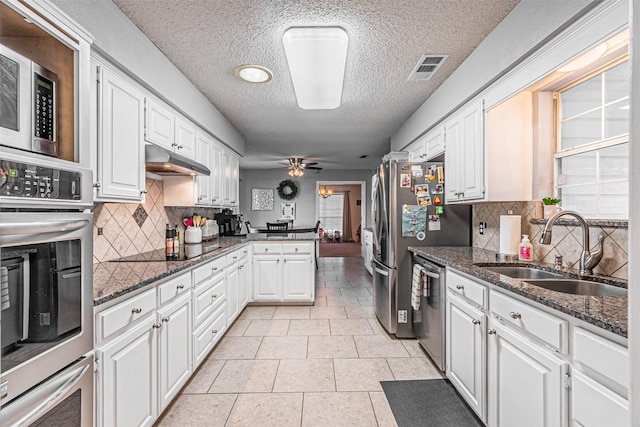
(428, 403)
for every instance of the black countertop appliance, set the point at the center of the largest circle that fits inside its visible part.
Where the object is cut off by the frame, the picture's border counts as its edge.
(229, 223)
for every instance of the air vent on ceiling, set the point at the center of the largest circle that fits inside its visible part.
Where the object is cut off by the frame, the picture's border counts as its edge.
(427, 66)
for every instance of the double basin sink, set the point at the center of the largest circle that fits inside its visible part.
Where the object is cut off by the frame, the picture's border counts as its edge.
(556, 281)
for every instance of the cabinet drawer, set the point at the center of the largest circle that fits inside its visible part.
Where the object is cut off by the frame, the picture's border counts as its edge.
(208, 270)
(207, 299)
(297, 248)
(205, 337)
(231, 258)
(544, 326)
(603, 356)
(267, 248)
(243, 253)
(174, 287)
(125, 314)
(471, 290)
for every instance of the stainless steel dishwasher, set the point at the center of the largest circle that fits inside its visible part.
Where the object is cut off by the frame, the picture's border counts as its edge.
(429, 321)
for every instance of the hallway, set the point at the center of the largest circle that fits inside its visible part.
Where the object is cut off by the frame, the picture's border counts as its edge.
(303, 365)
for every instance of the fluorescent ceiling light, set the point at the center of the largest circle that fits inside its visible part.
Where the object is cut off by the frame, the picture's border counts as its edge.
(316, 58)
(253, 74)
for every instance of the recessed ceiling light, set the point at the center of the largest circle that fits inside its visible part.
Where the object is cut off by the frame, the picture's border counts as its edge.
(253, 74)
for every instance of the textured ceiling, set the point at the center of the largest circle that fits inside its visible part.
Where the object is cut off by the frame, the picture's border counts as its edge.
(208, 39)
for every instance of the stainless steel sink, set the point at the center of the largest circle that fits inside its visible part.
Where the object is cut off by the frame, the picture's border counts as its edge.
(523, 272)
(580, 287)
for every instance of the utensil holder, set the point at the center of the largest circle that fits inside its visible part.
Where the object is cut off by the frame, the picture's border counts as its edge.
(193, 235)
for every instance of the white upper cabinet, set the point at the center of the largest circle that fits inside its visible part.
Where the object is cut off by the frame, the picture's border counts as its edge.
(464, 155)
(168, 129)
(159, 124)
(120, 130)
(185, 141)
(203, 183)
(416, 151)
(434, 143)
(428, 146)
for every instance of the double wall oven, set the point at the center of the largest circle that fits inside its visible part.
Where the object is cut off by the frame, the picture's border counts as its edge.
(46, 302)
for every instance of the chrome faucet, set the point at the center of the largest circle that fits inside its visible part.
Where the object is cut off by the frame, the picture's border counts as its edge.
(588, 260)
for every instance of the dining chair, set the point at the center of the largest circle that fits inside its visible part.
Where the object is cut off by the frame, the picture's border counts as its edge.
(277, 226)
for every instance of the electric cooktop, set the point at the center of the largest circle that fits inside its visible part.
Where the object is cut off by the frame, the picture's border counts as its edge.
(186, 252)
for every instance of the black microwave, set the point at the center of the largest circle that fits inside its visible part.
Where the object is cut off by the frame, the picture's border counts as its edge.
(28, 96)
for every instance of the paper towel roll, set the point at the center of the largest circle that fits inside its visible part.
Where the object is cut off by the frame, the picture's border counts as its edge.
(509, 234)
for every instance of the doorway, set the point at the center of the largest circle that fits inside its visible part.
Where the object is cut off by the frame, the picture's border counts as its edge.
(341, 213)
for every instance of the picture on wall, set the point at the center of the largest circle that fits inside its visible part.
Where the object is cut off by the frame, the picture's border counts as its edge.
(262, 199)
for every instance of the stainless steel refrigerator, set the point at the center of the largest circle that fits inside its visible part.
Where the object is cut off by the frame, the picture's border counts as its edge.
(400, 190)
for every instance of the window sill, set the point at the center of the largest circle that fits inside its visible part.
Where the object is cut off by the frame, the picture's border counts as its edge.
(620, 223)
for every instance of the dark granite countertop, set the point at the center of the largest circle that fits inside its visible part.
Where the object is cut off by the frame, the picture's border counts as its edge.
(609, 313)
(114, 279)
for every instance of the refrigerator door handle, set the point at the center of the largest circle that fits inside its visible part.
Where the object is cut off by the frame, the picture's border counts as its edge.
(384, 273)
(432, 275)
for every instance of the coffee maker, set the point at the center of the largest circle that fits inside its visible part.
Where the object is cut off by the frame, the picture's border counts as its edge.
(229, 223)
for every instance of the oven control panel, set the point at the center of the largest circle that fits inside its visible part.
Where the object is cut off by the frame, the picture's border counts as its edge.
(37, 182)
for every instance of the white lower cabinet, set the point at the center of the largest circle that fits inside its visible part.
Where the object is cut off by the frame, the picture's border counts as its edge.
(208, 334)
(245, 276)
(233, 287)
(525, 382)
(512, 362)
(267, 277)
(284, 272)
(466, 350)
(144, 361)
(127, 377)
(174, 347)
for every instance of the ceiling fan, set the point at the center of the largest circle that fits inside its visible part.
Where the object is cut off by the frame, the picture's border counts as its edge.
(297, 166)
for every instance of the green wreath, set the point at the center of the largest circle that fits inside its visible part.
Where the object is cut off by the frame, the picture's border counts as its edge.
(287, 184)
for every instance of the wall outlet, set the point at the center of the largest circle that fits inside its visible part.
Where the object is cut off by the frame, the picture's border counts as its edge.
(483, 225)
(402, 316)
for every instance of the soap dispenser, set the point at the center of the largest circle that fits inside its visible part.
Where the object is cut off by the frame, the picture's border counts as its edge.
(525, 249)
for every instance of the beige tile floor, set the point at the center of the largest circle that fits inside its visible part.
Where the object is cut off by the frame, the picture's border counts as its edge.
(303, 366)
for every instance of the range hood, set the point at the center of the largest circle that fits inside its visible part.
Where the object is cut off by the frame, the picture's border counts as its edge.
(164, 162)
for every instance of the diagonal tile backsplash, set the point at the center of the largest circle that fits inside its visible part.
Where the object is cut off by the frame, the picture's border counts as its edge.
(566, 241)
(129, 228)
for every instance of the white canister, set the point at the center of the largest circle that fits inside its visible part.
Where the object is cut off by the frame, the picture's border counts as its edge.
(193, 235)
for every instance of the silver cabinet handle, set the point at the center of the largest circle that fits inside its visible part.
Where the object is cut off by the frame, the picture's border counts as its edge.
(97, 185)
(475, 321)
(136, 310)
(460, 287)
(491, 331)
(180, 147)
(215, 331)
(214, 269)
(515, 315)
(214, 296)
(235, 257)
(157, 326)
(180, 286)
(166, 319)
(143, 191)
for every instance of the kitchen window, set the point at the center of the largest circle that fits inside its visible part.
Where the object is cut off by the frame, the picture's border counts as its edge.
(592, 157)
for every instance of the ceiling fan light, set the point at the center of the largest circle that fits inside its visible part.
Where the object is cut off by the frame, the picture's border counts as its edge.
(291, 172)
(317, 57)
